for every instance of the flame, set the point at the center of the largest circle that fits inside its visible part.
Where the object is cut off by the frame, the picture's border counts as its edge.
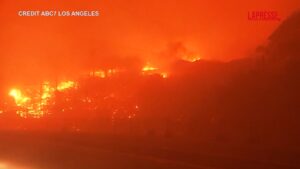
(19, 98)
(191, 58)
(35, 101)
(66, 85)
(149, 68)
(104, 74)
(47, 91)
(164, 75)
(99, 73)
(111, 72)
(36, 104)
(46, 95)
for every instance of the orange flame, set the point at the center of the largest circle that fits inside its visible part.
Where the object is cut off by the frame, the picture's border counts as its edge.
(19, 98)
(36, 104)
(66, 85)
(191, 58)
(149, 68)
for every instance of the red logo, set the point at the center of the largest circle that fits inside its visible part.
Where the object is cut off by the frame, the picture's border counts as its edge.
(263, 16)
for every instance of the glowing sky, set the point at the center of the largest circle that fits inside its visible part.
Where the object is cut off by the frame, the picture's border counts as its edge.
(127, 32)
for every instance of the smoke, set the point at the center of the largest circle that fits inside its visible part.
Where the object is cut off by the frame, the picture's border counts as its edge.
(126, 34)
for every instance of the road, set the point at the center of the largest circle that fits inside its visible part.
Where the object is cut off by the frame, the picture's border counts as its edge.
(36, 151)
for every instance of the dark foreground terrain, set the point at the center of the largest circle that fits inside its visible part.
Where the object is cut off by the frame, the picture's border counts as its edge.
(85, 151)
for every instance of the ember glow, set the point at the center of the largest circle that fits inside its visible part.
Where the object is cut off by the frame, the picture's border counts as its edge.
(149, 68)
(33, 105)
(5, 165)
(104, 73)
(149, 84)
(66, 85)
(98, 73)
(18, 96)
(164, 75)
(34, 102)
(191, 58)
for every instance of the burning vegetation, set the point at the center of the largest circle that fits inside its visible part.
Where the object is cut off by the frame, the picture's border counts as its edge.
(36, 101)
(251, 100)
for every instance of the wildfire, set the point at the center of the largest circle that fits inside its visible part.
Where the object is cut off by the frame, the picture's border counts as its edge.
(35, 103)
(66, 85)
(19, 98)
(191, 58)
(164, 75)
(99, 73)
(104, 74)
(148, 68)
(47, 90)
(33, 106)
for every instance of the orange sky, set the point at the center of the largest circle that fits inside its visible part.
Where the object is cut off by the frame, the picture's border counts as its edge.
(126, 30)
